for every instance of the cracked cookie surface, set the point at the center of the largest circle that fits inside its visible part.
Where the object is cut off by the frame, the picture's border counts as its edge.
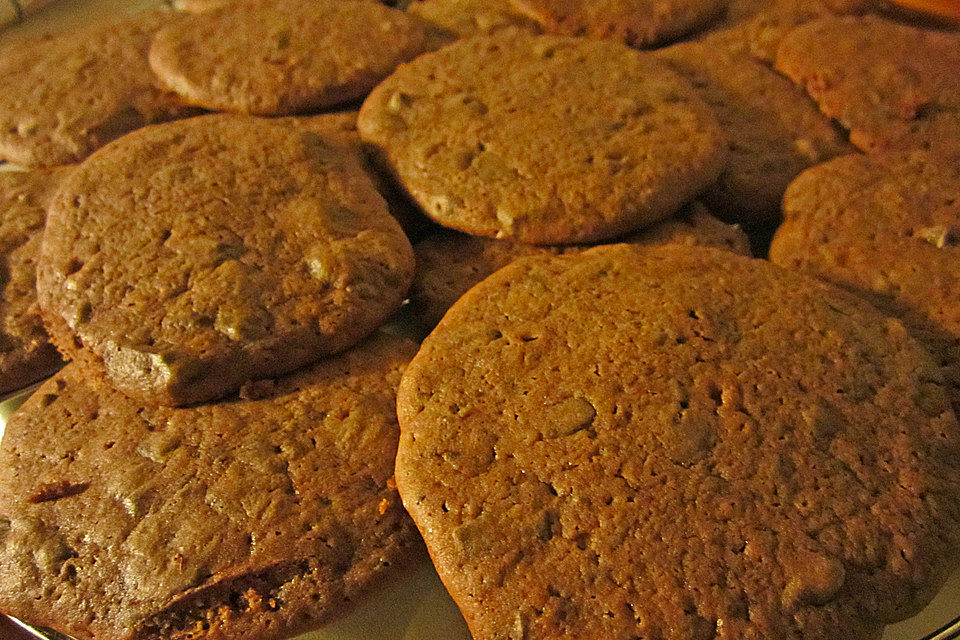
(544, 139)
(188, 258)
(63, 96)
(677, 442)
(253, 519)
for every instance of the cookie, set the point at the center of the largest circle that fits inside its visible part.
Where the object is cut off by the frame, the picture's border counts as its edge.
(774, 129)
(62, 97)
(543, 139)
(760, 25)
(888, 228)
(286, 56)
(202, 6)
(26, 354)
(340, 124)
(343, 126)
(449, 263)
(677, 442)
(257, 518)
(693, 226)
(468, 18)
(893, 86)
(743, 9)
(188, 258)
(639, 23)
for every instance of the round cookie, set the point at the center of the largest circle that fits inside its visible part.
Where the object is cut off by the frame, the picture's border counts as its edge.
(774, 129)
(285, 56)
(26, 354)
(450, 263)
(468, 18)
(887, 227)
(254, 519)
(677, 442)
(639, 23)
(191, 257)
(893, 86)
(62, 97)
(760, 25)
(543, 139)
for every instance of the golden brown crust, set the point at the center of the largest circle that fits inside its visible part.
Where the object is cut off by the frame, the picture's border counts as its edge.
(62, 97)
(26, 354)
(257, 518)
(888, 228)
(468, 18)
(893, 86)
(191, 257)
(677, 442)
(285, 56)
(760, 25)
(774, 129)
(450, 263)
(343, 126)
(544, 139)
(203, 6)
(639, 23)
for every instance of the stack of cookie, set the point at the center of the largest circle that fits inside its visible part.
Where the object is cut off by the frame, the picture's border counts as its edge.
(225, 432)
(621, 425)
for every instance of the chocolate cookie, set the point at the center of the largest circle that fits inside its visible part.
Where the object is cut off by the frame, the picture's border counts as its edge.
(639, 23)
(888, 228)
(26, 354)
(472, 17)
(774, 129)
(544, 139)
(285, 56)
(893, 86)
(191, 257)
(450, 263)
(63, 96)
(257, 518)
(677, 442)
